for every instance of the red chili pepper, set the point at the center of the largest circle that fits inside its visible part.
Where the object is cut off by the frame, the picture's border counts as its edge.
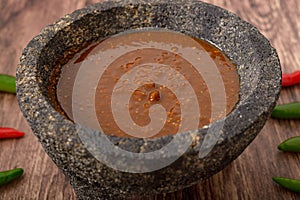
(6, 133)
(291, 79)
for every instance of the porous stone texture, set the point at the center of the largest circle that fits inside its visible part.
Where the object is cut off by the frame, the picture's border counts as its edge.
(257, 64)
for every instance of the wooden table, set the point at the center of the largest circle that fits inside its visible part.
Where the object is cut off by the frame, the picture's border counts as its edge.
(248, 177)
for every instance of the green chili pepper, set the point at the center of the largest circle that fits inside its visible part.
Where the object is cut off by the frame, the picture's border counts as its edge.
(291, 184)
(7, 83)
(287, 111)
(291, 145)
(10, 175)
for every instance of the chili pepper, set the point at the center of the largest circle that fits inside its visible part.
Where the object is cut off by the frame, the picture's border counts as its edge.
(291, 145)
(287, 111)
(7, 83)
(6, 133)
(10, 175)
(291, 184)
(291, 79)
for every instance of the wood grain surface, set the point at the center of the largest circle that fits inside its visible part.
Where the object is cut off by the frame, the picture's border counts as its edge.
(248, 177)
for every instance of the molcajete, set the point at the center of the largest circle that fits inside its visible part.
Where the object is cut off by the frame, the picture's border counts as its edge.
(107, 166)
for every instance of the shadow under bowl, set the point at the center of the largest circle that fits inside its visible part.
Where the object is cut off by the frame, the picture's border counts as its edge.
(212, 148)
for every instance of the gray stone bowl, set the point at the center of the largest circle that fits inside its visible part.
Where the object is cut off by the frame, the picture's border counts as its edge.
(213, 147)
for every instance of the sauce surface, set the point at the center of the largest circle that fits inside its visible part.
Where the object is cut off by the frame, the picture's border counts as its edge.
(116, 85)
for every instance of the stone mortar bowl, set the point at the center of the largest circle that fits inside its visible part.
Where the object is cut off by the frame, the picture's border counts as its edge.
(260, 79)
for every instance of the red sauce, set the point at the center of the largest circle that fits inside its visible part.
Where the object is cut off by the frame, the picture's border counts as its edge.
(152, 48)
